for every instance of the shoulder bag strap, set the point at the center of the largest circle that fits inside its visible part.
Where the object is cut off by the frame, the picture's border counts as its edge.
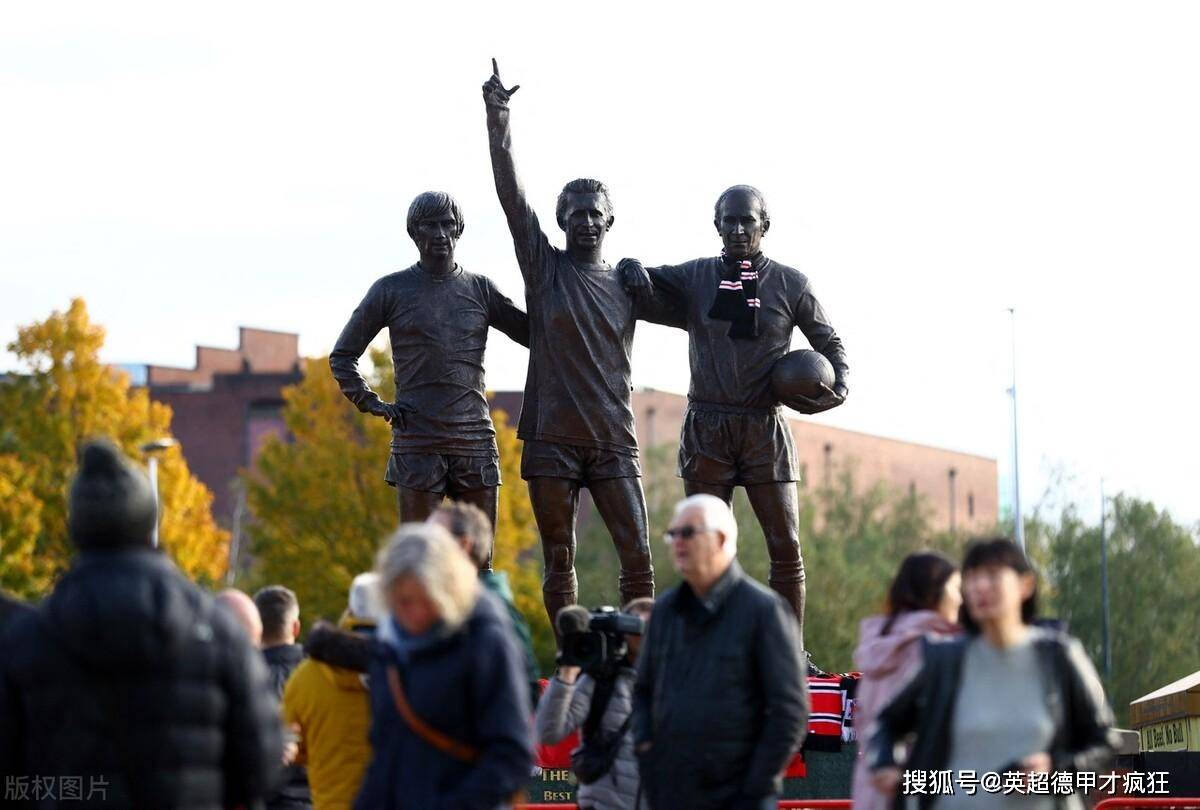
(442, 742)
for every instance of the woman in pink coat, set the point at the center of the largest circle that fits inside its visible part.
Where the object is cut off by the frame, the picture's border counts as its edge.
(924, 599)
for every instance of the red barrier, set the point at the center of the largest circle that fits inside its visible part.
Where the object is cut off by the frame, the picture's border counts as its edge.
(1157, 801)
(784, 804)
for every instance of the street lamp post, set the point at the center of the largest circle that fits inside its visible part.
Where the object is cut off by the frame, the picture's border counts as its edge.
(151, 451)
(1104, 586)
(1018, 523)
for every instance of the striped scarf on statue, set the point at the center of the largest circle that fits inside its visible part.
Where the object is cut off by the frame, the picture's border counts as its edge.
(737, 296)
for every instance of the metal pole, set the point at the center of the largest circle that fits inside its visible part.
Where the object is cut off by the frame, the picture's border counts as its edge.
(1018, 521)
(152, 462)
(1104, 587)
(953, 473)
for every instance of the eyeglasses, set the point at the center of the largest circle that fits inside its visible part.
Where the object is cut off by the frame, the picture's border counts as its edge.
(683, 533)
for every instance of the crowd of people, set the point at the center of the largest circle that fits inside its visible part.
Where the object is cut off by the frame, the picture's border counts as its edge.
(131, 680)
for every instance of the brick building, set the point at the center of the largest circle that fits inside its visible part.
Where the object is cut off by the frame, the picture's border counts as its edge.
(226, 406)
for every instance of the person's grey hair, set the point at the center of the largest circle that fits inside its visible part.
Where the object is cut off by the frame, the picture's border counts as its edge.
(583, 185)
(278, 607)
(468, 522)
(427, 553)
(742, 189)
(717, 516)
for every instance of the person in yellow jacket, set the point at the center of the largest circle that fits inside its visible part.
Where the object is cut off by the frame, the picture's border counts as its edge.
(327, 699)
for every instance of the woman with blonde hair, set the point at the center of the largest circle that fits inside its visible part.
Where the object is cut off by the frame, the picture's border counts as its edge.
(449, 704)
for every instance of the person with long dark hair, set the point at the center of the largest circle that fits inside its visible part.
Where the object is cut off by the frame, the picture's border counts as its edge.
(1008, 696)
(923, 599)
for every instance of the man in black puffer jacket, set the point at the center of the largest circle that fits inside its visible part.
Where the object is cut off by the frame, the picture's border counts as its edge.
(126, 678)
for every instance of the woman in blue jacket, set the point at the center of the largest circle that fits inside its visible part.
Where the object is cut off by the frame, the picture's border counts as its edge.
(450, 713)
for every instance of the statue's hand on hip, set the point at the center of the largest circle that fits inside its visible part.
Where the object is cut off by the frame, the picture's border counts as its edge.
(394, 413)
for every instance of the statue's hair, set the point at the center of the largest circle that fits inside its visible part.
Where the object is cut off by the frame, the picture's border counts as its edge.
(427, 553)
(581, 186)
(742, 189)
(430, 204)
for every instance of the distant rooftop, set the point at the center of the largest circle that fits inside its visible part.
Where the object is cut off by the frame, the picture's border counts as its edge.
(259, 351)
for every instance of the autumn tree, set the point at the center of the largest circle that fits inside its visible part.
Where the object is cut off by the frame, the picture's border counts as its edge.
(61, 396)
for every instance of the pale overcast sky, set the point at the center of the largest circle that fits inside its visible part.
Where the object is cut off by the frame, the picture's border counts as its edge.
(928, 164)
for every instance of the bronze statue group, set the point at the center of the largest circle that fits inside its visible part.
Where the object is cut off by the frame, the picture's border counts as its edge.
(576, 422)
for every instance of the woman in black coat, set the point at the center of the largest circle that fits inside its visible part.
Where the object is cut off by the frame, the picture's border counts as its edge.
(1008, 697)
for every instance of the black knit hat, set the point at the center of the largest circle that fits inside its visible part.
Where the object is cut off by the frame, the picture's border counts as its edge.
(111, 503)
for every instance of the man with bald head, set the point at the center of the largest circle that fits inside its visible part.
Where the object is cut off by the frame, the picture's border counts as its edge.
(720, 702)
(242, 608)
(740, 309)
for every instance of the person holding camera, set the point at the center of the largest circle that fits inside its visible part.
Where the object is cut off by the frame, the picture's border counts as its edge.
(597, 698)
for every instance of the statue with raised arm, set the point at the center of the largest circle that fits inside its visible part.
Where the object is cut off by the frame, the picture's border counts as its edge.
(740, 309)
(576, 419)
(437, 316)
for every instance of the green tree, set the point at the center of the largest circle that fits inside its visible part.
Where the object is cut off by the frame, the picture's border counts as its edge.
(63, 396)
(1154, 594)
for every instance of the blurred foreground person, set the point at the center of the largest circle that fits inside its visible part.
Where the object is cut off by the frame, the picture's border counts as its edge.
(721, 700)
(10, 607)
(449, 705)
(243, 610)
(127, 676)
(601, 705)
(327, 698)
(924, 599)
(470, 527)
(279, 611)
(1009, 696)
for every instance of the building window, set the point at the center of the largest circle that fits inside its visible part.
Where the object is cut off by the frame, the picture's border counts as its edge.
(970, 504)
(803, 476)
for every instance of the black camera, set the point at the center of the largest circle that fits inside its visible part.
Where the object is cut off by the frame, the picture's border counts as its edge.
(594, 640)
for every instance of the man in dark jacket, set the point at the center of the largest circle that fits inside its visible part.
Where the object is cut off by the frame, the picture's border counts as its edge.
(279, 610)
(127, 678)
(721, 700)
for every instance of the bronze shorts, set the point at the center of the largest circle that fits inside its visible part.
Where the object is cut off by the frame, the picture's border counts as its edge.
(553, 460)
(437, 472)
(736, 447)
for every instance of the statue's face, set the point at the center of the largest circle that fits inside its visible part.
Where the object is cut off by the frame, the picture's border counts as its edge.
(586, 220)
(741, 225)
(436, 237)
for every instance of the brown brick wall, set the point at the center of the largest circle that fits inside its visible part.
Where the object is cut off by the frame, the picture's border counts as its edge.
(268, 351)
